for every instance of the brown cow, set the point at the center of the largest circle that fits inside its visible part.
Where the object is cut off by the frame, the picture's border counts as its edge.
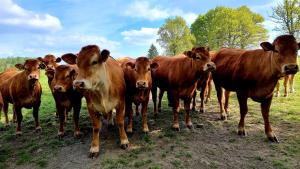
(66, 97)
(4, 76)
(102, 81)
(1, 104)
(138, 85)
(288, 80)
(254, 74)
(50, 62)
(24, 90)
(178, 76)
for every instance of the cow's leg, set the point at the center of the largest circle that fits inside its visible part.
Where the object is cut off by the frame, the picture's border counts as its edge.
(227, 94)
(277, 93)
(35, 113)
(208, 88)
(188, 121)
(95, 145)
(286, 81)
(120, 113)
(160, 96)
(137, 113)
(292, 89)
(220, 95)
(61, 115)
(202, 96)
(176, 107)
(110, 119)
(5, 110)
(154, 97)
(18, 112)
(265, 109)
(129, 113)
(194, 101)
(144, 116)
(242, 98)
(76, 112)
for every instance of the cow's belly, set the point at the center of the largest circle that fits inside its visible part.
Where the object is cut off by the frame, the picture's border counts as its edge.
(104, 105)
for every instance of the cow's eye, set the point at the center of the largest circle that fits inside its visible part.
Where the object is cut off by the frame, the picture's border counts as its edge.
(135, 69)
(94, 62)
(149, 69)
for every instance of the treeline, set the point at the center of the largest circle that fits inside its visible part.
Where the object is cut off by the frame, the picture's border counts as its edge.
(10, 62)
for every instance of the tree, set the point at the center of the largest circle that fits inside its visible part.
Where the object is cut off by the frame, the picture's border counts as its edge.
(175, 36)
(152, 52)
(286, 15)
(229, 27)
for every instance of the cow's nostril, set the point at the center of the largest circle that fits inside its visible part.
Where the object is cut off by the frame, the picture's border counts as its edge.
(81, 84)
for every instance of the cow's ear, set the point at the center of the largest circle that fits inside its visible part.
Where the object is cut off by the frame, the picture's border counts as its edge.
(267, 46)
(190, 54)
(58, 60)
(104, 55)
(40, 59)
(154, 65)
(130, 65)
(69, 58)
(73, 74)
(42, 65)
(20, 66)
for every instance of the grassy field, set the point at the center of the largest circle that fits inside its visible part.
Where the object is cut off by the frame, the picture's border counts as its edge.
(211, 144)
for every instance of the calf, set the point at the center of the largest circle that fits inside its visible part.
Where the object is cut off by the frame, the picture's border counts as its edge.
(254, 74)
(66, 97)
(24, 90)
(101, 80)
(178, 76)
(138, 85)
(287, 83)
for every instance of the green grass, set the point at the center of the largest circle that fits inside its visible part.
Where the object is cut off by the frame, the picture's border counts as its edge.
(168, 148)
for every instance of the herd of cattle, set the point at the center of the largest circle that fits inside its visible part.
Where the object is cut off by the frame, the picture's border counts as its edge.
(108, 84)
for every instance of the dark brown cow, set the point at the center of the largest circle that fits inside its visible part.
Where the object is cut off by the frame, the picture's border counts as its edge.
(178, 76)
(288, 82)
(254, 74)
(102, 81)
(204, 86)
(138, 85)
(66, 97)
(24, 90)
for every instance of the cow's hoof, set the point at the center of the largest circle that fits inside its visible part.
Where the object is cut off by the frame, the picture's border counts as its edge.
(146, 130)
(176, 128)
(93, 154)
(18, 133)
(77, 134)
(201, 110)
(124, 146)
(223, 117)
(193, 109)
(137, 114)
(129, 130)
(7, 125)
(273, 139)
(60, 135)
(155, 115)
(110, 126)
(241, 132)
(38, 129)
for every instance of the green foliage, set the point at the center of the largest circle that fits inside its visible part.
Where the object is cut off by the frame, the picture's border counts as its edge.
(175, 36)
(229, 27)
(10, 62)
(152, 52)
(286, 15)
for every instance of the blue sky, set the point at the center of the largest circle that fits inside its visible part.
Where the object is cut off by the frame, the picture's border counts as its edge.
(127, 28)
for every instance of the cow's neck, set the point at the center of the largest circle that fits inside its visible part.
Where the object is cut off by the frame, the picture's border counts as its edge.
(104, 82)
(192, 73)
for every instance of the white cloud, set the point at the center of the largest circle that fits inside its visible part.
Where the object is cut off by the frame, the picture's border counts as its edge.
(142, 9)
(12, 14)
(142, 37)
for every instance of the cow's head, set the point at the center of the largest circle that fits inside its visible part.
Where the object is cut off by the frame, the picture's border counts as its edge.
(32, 68)
(63, 78)
(142, 72)
(285, 50)
(201, 58)
(91, 64)
(50, 62)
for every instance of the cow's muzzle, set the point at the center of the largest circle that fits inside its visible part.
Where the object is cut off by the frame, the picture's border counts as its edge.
(290, 69)
(58, 88)
(78, 84)
(33, 77)
(141, 84)
(209, 67)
